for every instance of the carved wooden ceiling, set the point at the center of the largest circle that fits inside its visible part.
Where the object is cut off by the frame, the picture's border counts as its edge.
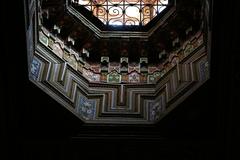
(145, 44)
(117, 74)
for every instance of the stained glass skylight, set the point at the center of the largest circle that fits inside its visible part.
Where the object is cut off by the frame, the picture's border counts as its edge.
(124, 12)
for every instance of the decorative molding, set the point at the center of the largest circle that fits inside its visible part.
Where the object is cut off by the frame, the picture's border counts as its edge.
(110, 96)
(92, 72)
(117, 103)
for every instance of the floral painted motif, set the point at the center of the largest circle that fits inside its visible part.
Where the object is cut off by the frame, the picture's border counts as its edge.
(189, 49)
(114, 77)
(153, 78)
(134, 77)
(35, 68)
(86, 108)
(157, 108)
(57, 50)
(92, 77)
(50, 42)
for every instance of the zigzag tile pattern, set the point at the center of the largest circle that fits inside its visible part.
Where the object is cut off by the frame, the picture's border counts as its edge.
(138, 97)
(119, 103)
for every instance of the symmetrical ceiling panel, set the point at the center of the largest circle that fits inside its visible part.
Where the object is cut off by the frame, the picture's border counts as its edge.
(123, 12)
(128, 75)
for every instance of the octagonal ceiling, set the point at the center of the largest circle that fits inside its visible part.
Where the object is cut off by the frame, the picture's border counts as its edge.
(129, 74)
